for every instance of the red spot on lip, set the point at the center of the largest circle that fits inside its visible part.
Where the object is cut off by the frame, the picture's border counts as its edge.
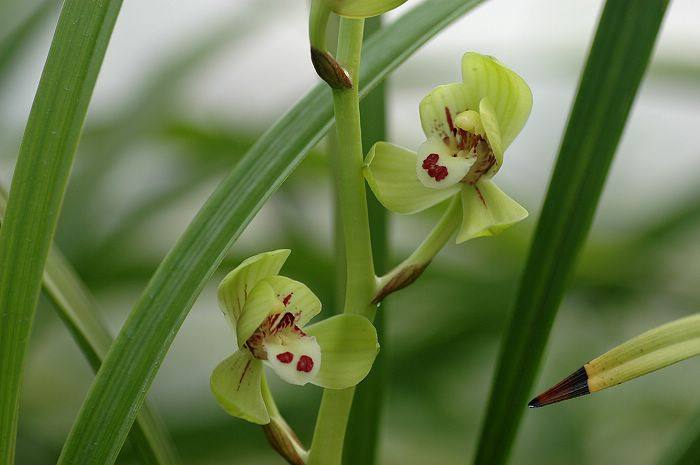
(286, 300)
(438, 172)
(305, 364)
(285, 357)
(430, 160)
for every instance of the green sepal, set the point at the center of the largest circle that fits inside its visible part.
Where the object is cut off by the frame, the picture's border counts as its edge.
(236, 385)
(487, 211)
(348, 348)
(391, 174)
(234, 288)
(486, 77)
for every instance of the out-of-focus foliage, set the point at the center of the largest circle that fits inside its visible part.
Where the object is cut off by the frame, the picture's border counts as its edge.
(638, 270)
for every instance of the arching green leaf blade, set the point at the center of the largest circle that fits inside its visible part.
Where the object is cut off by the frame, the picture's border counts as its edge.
(76, 307)
(38, 186)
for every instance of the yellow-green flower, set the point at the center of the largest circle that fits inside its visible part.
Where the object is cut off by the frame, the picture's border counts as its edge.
(269, 314)
(468, 126)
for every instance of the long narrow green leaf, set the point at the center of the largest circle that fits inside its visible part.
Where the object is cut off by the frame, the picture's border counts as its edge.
(122, 382)
(362, 435)
(39, 183)
(76, 307)
(616, 63)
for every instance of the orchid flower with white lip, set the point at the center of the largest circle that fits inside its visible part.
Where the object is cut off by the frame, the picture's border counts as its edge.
(468, 126)
(269, 314)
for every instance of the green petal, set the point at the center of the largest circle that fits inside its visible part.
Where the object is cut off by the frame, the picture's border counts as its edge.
(493, 133)
(645, 353)
(391, 174)
(235, 383)
(348, 349)
(234, 288)
(487, 211)
(485, 77)
(363, 8)
(441, 106)
(300, 300)
(261, 302)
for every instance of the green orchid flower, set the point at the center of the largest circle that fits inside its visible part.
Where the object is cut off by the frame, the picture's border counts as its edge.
(269, 314)
(468, 126)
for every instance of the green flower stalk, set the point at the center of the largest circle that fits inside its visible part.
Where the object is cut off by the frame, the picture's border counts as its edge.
(269, 314)
(468, 126)
(650, 351)
(325, 64)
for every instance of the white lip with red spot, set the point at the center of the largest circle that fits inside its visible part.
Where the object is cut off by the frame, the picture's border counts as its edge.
(441, 165)
(284, 347)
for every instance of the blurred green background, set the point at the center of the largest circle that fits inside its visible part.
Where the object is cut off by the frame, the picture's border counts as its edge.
(186, 87)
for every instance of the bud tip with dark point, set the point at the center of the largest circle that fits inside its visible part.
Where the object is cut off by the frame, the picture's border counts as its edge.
(574, 385)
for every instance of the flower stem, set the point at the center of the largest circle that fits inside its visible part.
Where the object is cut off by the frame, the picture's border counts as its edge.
(411, 268)
(329, 434)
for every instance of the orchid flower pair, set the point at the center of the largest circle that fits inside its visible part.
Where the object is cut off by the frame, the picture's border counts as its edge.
(269, 314)
(468, 126)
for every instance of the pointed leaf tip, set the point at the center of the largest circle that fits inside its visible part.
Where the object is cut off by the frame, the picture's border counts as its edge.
(574, 385)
